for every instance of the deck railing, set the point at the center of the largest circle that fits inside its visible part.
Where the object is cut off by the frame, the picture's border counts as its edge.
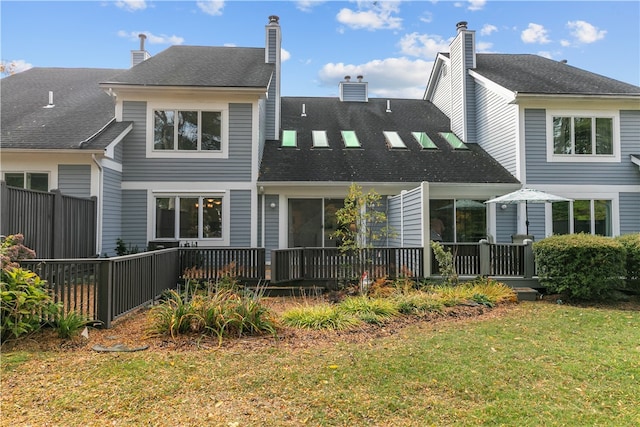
(333, 264)
(104, 289)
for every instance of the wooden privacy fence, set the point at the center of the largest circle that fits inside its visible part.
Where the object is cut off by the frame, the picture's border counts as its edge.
(53, 224)
(333, 264)
(104, 289)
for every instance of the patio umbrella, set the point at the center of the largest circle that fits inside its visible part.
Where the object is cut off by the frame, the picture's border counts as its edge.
(526, 196)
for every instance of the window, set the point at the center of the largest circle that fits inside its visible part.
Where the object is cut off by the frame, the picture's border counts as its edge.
(350, 139)
(189, 217)
(28, 180)
(582, 136)
(454, 141)
(582, 216)
(460, 220)
(424, 140)
(320, 139)
(289, 138)
(393, 140)
(184, 130)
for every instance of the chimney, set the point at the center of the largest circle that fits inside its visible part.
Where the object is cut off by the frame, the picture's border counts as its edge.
(354, 91)
(462, 59)
(138, 56)
(273, 45)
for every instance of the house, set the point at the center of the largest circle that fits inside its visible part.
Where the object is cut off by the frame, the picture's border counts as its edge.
(195, 145)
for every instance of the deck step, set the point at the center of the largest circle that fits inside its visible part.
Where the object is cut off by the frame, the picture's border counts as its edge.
(527, 294)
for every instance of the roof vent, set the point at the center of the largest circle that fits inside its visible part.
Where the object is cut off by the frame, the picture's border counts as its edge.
(138, 56)
(273, 19)
(359, 78)
(142, 39)
(564, 61)
(354, 91)
(388, 105)
(50, 104)
(304, 111)
(347, 78)
(461, 26)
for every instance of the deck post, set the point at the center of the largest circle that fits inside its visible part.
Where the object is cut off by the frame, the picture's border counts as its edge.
(485, 258)
(105, 293)
(529, 262)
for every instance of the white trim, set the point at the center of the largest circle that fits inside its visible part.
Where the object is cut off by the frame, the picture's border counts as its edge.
(110, 164)
(187, 186)
(109, 150)
(583, 158)
(508, 95)
(613, 196)
(199, 106)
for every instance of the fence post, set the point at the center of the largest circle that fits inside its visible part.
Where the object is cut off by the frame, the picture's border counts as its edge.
(485, 258)
(529, 262)
(57, 233)
(105, 293)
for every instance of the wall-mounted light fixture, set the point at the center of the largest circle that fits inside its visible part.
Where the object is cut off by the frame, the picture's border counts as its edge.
(503, 207)
(272, 205)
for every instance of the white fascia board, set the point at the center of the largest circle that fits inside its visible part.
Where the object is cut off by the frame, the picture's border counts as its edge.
(435, 75)
(54, 150)
(123, 89)
(109, 149)
(494, 87)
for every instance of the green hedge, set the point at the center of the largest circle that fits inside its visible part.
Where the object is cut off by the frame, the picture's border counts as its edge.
(631, 243)
(581, 266)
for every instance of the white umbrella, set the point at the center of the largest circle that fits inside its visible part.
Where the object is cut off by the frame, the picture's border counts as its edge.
(526, 196)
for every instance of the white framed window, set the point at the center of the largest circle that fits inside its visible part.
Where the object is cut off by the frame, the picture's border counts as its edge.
(29, 180)
(583, 136)
(187, 130)
(191, 217)
(589, 216)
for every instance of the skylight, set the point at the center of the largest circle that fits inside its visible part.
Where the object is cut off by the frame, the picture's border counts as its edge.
(350, 139)
(320, 138)
(454, 141)
(289, 138)
(424, 140)
(393, 139)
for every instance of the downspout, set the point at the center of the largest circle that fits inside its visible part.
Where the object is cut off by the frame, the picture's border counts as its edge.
(99, 207)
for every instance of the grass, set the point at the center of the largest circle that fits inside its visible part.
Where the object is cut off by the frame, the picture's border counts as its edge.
(535, 364)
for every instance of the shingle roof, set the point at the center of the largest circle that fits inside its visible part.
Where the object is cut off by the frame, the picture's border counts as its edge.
(81, 107)
(374, 162)
(534, 74)
(201, 66)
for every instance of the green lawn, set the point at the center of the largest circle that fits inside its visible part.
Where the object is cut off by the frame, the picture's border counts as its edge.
(538, 364)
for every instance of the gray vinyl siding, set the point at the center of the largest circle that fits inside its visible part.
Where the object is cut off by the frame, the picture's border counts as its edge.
(240, 221)
(394, 220)
(134, 218)
(111, 210)
(469, 95)
(442, 93)
(496, 127)
(539, 171)
(272, 225)
(405, 219)
(535, 213)
(629, 213)
(118, 152)
(462, 88)
(506, 223)
(237, 167)
(75, 180)
(272, 46)
(261, 128)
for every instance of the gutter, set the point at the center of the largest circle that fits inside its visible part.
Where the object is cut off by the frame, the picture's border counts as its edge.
(97, 133)
(99, 207)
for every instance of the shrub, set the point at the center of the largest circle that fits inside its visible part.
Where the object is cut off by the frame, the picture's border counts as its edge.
(418, 303)
(581, 266)
(369, 310)
(446, 263)
(319, 316)
(69, 325)
(631, 244)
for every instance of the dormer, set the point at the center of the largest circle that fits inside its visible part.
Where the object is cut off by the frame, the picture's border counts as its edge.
(353, 91)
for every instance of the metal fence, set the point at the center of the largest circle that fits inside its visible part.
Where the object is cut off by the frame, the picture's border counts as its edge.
(54, 225)
(333, 264)
(104, 289)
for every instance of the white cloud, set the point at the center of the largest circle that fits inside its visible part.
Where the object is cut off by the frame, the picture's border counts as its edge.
(152, 38)
(378, 16)
(307, 5)
(285, 55)
(545, 54)
(488, 29)
(131, 5)
(484, 47)
(427, 17)
(476, 5)
(423, 45)
(535, 33)
(391, 77)
(585, 32)
(565, 43)
(211, 7)
(16, 66)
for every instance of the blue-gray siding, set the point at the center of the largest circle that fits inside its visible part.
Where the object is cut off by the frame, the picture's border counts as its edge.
(134, 218)
(462, 88)
(272, 46)
(394, 220)
(496, 127)
(240, 221)
(236, 168)
(539, 171)
(111, 210)
(536, 220)
(629, 213)
(118, 152)
(441, 97)
(75, 180)
(506, 223)
(405, 217)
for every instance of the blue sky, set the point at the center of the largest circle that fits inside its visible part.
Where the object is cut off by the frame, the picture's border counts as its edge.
(393, 44)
